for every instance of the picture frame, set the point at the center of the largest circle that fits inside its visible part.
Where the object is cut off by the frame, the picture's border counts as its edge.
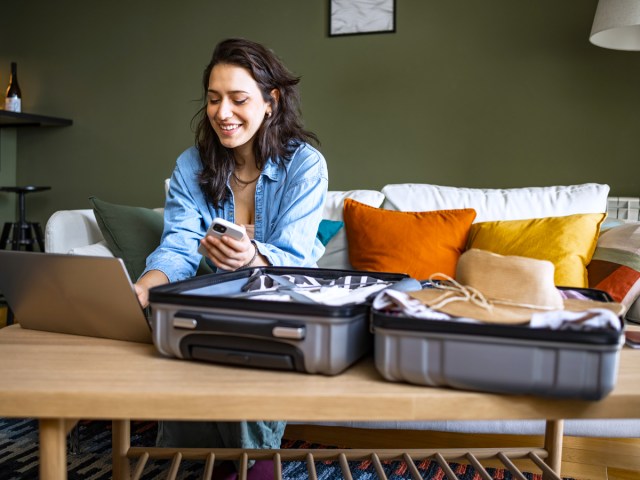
(358, 17)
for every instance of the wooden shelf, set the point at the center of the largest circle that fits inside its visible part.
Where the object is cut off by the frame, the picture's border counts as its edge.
(15, 119)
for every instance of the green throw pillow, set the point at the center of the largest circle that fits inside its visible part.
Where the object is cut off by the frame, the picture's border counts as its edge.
(328, 229)
(131, 233)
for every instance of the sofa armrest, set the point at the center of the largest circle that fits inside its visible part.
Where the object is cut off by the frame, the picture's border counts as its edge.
(69, 229)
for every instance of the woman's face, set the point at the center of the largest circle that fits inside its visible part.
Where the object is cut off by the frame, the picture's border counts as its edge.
(235, 106)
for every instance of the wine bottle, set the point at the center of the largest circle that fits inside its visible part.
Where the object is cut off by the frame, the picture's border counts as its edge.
(13, 100)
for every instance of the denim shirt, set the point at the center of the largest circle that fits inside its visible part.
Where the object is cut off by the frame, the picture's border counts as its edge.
(289, 201)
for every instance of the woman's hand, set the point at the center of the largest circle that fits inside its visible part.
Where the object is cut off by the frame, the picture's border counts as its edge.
(152, 278)
(230, 254)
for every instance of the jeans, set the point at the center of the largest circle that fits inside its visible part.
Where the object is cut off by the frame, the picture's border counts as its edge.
(189, 434)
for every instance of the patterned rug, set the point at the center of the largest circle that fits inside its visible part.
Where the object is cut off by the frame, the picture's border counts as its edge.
(19, 458)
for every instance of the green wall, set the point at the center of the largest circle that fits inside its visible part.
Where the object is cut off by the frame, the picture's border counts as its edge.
(466, 93)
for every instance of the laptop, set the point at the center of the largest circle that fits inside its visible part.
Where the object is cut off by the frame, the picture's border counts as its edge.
(73, 294)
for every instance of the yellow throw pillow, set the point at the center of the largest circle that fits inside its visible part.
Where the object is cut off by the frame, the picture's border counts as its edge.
(416, 243)
(568, 242)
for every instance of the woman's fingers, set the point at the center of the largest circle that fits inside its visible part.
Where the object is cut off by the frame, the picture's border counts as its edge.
(227, 253)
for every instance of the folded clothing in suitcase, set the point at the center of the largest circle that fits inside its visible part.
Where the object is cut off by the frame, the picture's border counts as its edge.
(501, 358)
(304, 319)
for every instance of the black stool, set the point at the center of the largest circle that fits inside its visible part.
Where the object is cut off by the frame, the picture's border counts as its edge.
(22, 235)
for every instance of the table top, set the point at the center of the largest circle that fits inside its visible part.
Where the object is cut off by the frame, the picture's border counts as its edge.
(65, 376)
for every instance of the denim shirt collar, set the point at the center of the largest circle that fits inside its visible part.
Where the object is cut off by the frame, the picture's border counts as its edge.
(271, 170)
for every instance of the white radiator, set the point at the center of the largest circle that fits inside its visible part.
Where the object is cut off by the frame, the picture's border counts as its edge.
(624, 208)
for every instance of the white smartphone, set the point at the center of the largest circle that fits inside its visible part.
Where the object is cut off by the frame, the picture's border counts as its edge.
(220, 227)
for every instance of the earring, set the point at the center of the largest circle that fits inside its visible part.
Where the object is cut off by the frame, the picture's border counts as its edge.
(268, 114)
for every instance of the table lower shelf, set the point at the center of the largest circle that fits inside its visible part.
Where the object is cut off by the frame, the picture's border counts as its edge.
(474, 457)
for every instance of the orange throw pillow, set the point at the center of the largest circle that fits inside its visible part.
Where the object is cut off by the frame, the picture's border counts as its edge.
(416, 243)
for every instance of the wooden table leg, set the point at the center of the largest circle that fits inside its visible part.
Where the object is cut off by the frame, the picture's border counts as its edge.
(53, 449)
(70, 424)
(120, 443)
(553, 434)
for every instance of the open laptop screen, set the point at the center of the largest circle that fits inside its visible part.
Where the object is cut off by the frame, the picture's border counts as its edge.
(73, 294)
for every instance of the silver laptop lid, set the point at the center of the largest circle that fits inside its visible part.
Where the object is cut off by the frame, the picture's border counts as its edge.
(74, 294)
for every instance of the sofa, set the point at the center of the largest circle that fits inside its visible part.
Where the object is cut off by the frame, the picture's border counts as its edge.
(612, 244)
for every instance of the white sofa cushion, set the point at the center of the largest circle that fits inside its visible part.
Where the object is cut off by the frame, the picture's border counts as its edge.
(336, 254)
(335, 201)
(69, 229)
(499, 204)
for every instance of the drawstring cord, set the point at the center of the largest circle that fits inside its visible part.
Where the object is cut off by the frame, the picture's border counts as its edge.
(460, 292)
(455, 292)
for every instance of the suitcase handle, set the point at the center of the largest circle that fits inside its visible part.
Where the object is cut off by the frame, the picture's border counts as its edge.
(202, 322)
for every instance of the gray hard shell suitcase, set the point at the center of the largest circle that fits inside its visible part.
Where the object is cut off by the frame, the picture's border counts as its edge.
(498, 358)
(210, 318)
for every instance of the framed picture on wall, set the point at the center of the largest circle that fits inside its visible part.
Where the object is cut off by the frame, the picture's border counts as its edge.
(356, 17)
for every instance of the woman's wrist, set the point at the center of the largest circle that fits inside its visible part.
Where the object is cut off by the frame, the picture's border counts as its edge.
(253, 259)
(153, 278)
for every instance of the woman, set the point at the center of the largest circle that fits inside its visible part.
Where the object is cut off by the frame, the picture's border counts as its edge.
(252, 165)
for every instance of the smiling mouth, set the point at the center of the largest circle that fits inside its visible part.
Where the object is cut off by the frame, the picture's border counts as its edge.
(230, 128)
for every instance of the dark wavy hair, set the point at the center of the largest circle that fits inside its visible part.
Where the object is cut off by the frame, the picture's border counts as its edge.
(278, 136)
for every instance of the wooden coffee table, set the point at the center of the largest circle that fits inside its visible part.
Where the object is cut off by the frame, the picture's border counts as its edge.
(61, 378)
